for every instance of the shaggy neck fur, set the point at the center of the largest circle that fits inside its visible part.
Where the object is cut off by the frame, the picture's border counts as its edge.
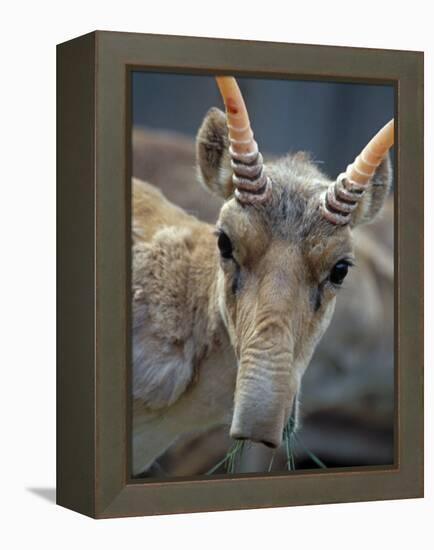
(176, 304)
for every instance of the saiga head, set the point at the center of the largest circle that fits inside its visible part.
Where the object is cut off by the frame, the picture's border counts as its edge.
(284, 235)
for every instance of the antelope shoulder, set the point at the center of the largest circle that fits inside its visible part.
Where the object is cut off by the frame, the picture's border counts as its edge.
(171, 326)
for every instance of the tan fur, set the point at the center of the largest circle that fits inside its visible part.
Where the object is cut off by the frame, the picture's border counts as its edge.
(176, 328)
(204, 325)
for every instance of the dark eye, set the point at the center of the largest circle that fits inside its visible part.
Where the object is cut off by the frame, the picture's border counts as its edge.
(339, 272)
(225, 245)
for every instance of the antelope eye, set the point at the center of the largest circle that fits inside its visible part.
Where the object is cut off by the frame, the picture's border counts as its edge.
(225, 245)
(339, 272)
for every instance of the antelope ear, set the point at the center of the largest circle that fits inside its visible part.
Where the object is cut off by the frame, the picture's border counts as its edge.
(212, 154)
(375, 196)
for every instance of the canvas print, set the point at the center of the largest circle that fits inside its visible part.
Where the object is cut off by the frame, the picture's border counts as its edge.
(262, 275)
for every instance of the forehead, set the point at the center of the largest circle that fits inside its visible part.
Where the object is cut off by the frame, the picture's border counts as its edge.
(292, 215)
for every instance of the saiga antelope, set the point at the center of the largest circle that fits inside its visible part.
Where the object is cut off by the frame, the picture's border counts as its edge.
(226, 318)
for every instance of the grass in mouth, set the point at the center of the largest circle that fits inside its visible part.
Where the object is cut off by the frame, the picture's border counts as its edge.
(290, 441)
(231, 459)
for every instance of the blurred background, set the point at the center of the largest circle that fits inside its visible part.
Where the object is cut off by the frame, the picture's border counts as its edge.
(347, 400)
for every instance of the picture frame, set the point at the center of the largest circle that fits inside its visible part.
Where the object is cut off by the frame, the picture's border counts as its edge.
(94, 258)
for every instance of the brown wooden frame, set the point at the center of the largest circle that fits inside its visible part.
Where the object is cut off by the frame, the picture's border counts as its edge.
(93, 273)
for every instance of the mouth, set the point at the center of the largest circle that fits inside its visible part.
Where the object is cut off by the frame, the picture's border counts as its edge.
(258, 429)
(289, 441)
(231, 460)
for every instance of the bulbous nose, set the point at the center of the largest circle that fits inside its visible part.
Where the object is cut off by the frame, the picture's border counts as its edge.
(266, 385)
(263, 425)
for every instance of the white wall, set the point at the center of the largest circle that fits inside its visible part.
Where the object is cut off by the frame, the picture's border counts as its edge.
(29, 32)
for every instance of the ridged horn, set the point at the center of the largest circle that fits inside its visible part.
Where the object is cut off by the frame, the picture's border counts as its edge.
(343, 196)
(252, 185)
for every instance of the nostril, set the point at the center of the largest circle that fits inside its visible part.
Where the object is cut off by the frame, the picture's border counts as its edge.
(268, 444)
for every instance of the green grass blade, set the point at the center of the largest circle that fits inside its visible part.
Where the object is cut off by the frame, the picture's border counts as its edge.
(270, 465)
(311, 455)
(230, 460)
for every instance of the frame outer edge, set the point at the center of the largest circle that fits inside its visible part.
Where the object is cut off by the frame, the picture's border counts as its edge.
(115, 495)
(75, 410)
(410, 284)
